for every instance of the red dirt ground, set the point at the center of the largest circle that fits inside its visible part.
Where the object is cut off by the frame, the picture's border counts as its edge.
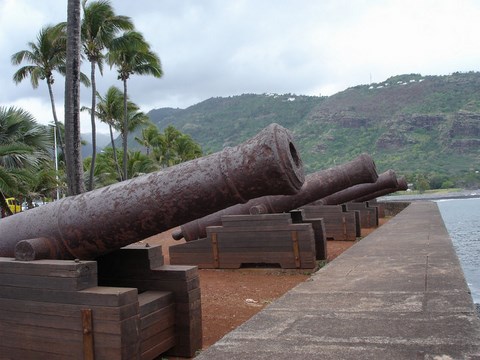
(231, 297)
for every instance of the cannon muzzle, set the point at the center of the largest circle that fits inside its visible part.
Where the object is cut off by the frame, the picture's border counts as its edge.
(100, 221)
(317, 185)
(385, 180)
(401, 185)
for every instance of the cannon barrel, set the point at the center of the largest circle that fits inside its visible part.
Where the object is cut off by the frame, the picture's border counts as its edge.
(401, 185)
(100, 221)
(317, 185)
(385, 180)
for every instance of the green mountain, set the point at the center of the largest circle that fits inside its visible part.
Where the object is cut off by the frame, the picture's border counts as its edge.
(414, 124)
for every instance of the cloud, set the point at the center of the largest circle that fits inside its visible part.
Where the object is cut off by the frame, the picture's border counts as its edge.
(217, 48)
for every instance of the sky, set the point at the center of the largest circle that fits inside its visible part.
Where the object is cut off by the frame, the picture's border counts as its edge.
(218, 48)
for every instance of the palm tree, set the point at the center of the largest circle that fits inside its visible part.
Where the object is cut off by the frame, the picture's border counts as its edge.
(177, 147)
(150, 138)
(139, 164)
(72, 101)
(110, 111)
(99, 27)
(187, 149)
(23, 149)
(131, 54)
(45, 56)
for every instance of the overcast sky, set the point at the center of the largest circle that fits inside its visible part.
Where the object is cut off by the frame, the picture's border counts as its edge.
(211, 48)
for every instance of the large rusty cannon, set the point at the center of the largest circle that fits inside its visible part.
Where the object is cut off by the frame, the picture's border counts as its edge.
(103, 220)
(317, 185)
(385, 180)
(401, 185)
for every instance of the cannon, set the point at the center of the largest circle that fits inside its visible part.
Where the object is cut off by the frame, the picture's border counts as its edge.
(386, 180)
(106, 219)
(317, 185)
(401, 185)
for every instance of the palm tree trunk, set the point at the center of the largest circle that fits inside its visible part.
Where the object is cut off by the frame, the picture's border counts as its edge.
(72, 101)
(125, 131)
(55, 119)
(114, 148)
(94, 131)
(4, 205)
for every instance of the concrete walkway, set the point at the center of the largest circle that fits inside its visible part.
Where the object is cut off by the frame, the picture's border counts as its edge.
(398, 294)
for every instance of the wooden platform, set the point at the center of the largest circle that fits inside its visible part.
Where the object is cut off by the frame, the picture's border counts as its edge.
(368, 215)
(55, 309)
(339, 224)
(270, 239)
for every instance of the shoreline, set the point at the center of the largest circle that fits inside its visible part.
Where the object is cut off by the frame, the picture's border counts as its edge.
(457, 195)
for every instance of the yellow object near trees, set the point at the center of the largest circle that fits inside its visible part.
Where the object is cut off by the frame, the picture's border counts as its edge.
(14, 205)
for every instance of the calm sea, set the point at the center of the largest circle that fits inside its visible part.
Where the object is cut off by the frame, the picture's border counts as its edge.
(462, 219)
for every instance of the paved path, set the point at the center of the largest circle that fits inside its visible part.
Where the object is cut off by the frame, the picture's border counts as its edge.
(398, 294)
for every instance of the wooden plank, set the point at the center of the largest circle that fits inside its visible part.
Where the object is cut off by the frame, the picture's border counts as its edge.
(263, 229)
(320, 237)
(175, 286)
(214, 244)
(296, 251)
(67, 311)
(55, 268)
(161, 316)
(25, 354)
(64, 344)
(246, 221)
(87, 325)
(49, 282)
(200, 260)
(101, 296)
(157, 345)
(338, 225)
(150, 301)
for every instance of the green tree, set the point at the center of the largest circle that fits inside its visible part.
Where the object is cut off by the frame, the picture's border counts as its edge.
(45, 56)
(23, 149)
(73, 145)
(109, 109)
(170, 147)
(150, 138)
(131, 54)
(99, 27)
(422, 183)
(105, 171)
(139, 164)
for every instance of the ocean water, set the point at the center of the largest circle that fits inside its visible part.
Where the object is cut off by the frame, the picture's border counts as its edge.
(462, 220)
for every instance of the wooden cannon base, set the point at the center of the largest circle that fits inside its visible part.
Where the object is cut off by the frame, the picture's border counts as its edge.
(368, 215)
(125, 305)
(339, 224)
(250, 240)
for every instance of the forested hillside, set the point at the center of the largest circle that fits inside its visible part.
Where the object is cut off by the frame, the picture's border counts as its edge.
(421, 126)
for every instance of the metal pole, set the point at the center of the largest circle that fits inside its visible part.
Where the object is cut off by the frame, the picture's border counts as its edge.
(56, 157)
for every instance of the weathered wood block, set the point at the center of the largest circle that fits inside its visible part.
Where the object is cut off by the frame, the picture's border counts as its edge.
(380, 207)
(250, 239)
(339, 224)
(157, 323)
(48, 312)
(368, 215)
(47, 323)
(319, 233)
(182, 281)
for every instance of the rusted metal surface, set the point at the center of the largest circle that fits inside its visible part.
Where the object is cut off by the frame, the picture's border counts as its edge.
(401, 186)
(316, 186)
(388, 179)
(97, 222)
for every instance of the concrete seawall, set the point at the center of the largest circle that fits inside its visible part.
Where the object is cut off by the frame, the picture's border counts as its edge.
(399, 293)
